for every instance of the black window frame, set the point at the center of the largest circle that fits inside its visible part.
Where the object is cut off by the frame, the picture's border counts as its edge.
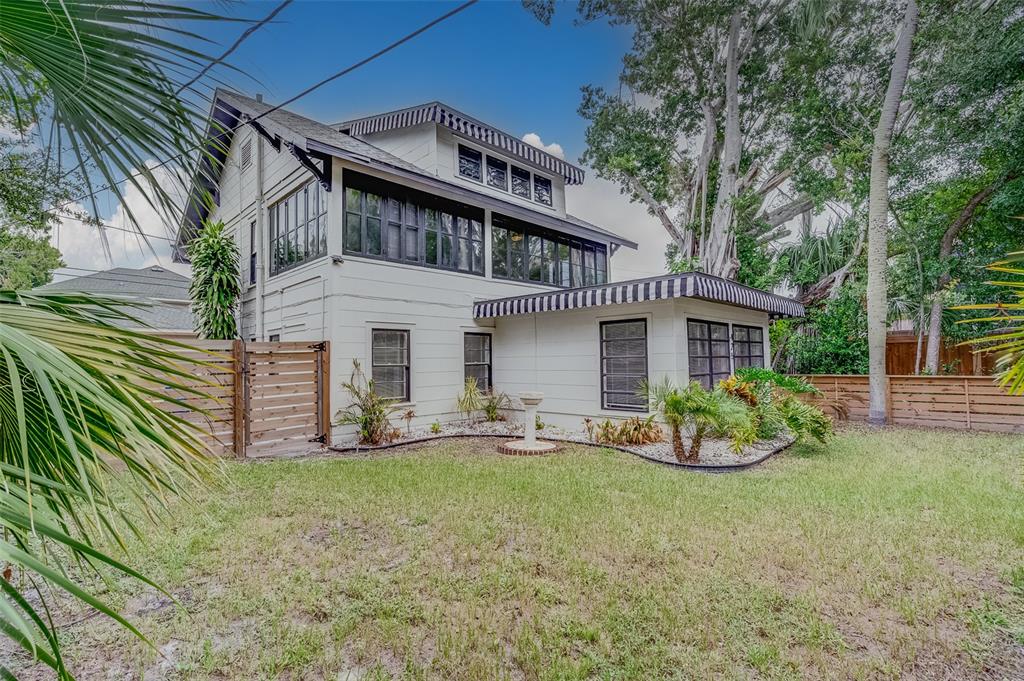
(749, 356)
(489, 363)
(252, 253)
(407, 396)
(711, 356)
(432, 222)
(551, 190)
(480, 163)
(500, 164)
(563, 274)
(529, 182)
(283, 213)
(604, 357)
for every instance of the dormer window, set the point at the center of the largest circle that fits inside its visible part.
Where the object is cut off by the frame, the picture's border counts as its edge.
(542, 190)
(497, 173)
(521, 182)
(470, 161)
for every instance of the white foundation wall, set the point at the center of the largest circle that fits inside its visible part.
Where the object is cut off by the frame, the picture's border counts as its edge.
(558, 353)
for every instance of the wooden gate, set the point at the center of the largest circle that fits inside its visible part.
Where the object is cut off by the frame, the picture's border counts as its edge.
(285, 398)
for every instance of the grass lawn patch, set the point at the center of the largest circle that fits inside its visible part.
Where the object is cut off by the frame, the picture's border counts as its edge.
(885, 554)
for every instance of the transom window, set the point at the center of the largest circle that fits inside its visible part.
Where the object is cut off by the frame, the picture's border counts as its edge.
(623, 364)
(390, 363)
(298, 228)
(708, 347)
(480, 167)
(383, 221)
(476, 351)
(527, 253)
(747, 346)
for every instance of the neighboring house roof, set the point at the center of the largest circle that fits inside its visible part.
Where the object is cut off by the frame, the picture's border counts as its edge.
(306, 137)
(686, 285)
(442, 114)
(163, 292)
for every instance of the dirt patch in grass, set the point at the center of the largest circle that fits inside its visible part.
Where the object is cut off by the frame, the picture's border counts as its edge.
(892, 554)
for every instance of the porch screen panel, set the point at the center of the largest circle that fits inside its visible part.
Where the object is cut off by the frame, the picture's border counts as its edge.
(390, 360)
(623, 364)
(747, 346)
(477, 358)
(708, 346)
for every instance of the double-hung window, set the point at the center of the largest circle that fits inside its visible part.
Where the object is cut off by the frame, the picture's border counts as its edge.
(623, 364)
(708, 348)
(747, 346)
(390, 363)
(476, 352)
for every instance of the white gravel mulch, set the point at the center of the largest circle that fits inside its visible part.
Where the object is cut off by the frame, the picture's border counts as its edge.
(713, 452)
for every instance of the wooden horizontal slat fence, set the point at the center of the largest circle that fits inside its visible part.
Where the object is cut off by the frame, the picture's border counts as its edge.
(965, 402)
(258, 397)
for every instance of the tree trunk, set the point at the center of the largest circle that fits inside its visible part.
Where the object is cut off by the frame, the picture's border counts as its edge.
(695, 443)
(720, 254)
(677, 444)
(945, 251)
(920, 339)
(878, 220)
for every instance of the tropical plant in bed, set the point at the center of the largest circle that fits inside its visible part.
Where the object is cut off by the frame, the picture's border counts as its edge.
(775, 406)
(368, 411)
(215, 287)
(491, 405)
(84, 443)
(700, 413)
(633, 431)
(470, 400)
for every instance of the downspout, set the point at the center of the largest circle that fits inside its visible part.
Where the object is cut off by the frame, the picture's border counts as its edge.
(261, 251)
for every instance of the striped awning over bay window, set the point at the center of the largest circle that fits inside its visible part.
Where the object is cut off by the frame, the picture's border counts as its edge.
(436, 112)
(688, 285)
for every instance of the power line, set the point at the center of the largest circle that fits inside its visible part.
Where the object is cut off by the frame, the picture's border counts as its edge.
(335, 76)
(99, 224)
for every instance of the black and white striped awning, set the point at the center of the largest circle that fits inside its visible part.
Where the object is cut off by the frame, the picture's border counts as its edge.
(688, 285)
(464, 125)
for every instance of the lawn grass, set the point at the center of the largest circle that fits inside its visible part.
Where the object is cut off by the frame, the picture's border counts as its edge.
(897, 553)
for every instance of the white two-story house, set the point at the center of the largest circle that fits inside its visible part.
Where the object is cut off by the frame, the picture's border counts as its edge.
(433, 247)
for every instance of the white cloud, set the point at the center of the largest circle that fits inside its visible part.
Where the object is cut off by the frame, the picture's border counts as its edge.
(534, 140)
(599, 201)
(81, 245)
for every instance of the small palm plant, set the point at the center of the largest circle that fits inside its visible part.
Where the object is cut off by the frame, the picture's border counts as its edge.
(1009, 342)
(470, 400)
(369, 412)
(215, 287)
(700, 412)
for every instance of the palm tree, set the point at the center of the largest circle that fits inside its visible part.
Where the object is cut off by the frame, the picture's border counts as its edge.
(699, 412)
(78, 396)
(878, 218)
(1010, 340)
(80, 417)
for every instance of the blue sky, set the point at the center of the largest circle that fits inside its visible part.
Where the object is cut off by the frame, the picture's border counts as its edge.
(493, 61)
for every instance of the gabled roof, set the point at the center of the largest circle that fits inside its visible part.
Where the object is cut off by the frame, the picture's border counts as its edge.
(442, 114)
(303, 135)
(686, 285)
(165, 293)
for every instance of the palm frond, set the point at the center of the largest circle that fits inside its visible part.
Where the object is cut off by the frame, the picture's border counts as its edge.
(80, 427)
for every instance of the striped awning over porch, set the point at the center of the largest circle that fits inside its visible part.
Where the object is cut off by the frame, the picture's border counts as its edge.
(464, 125)
(687, 285)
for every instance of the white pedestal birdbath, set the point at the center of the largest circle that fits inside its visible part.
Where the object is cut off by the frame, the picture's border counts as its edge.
(529, 444)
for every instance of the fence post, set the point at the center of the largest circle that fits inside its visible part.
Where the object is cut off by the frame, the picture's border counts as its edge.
(967, 402)
(239, 409)
(323, 391)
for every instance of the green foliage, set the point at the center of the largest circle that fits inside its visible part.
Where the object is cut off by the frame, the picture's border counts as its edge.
(435, 427)
(632, 431)
(1009, 341)
(833, 338)
(774, 407)
(470, 400)
(537, 423)
(492, 403)
(791, 384)
(804, 419)
(215, 283)
(27, 260)
(78, 407)
(700, 412)
(368, 411)
(108, 75)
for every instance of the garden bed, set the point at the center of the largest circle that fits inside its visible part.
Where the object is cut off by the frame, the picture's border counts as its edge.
(715, 455)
